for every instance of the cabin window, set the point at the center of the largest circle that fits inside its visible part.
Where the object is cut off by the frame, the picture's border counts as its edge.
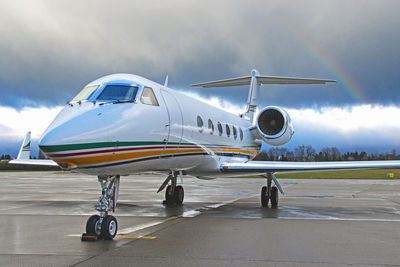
(220, 130)
(234, 132)
(241, 134)
(148, 97)
(200, 123)
(118, 93)
(210, 126)
(85, 93)
(228, 130)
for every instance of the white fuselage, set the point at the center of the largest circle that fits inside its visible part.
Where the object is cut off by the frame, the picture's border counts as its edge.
(104, 137)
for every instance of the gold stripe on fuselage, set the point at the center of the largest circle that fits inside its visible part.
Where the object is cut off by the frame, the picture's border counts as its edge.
(140, 154)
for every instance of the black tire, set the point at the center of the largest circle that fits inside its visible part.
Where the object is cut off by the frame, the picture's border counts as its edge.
(264, 196)
(179, 195)
(91, 225)
(169, 198)
(274, 197)
(109, 227)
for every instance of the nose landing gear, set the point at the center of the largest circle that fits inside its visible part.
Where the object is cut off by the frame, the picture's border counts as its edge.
(104, 226)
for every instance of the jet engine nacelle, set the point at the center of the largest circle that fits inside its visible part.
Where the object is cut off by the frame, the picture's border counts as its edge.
(274, 126)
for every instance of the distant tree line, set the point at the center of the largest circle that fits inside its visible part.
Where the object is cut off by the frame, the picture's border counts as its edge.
(8, 156)
(308, 153)
(5, 157)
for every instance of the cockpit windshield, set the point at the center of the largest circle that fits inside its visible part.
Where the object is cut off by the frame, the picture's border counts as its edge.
(118, 93)
(85, 93)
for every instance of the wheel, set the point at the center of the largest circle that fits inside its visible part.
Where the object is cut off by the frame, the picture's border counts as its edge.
(179, 195)
(169, 198)
(109, 227)
(264, 196)
(274, 197)
(92, 225)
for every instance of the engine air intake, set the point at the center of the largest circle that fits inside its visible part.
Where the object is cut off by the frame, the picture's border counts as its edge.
(274, 126)
(271, 122)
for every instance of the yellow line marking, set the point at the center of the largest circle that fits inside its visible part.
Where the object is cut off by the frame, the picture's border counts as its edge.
(170, 218)
(122, 236)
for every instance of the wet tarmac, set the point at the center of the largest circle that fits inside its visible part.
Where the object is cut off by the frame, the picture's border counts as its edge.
(317, 223)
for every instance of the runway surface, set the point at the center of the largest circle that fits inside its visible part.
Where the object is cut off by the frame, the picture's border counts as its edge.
(317, 223)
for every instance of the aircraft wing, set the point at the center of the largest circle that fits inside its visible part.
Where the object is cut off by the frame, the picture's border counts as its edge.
(40, 162)
(286, 166)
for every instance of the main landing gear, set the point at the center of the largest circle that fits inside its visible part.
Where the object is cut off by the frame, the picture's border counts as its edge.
(173, 194)
(104, 226)
(270, 193)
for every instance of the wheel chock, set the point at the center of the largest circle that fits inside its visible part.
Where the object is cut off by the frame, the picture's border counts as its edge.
(89, 237)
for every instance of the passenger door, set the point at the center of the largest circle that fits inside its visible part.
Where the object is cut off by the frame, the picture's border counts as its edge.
(175, 125)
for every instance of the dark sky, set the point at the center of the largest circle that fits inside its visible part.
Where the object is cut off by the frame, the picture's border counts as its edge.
(51, 49)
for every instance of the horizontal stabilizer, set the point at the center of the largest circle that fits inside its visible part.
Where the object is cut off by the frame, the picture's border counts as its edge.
(261, 80)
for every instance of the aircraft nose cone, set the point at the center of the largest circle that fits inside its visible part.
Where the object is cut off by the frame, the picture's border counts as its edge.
(49, 139)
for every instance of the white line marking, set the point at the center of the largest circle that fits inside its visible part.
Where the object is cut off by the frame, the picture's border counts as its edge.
(191, 213)
(139, 227)
(186, 214)
(194, 213)
(339, 219)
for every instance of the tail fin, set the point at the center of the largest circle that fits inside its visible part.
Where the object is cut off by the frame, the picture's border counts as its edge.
(255, 80)
(25, 150)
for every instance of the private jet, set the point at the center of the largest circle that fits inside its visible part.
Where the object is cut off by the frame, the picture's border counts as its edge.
(123, 124)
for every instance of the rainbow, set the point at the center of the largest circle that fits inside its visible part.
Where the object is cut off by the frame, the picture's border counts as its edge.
(333, 66)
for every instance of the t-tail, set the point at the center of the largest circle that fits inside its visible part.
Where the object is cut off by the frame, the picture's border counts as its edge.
(271, 124)
(255, 80)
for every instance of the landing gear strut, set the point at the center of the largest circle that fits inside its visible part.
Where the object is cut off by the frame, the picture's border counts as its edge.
(270, 193)
(173, 194)
(104, 226)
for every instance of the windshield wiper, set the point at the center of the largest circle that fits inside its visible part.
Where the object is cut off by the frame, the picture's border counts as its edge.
(123, 101)
(117, 102)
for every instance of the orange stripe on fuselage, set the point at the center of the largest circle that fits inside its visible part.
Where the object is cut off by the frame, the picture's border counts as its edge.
(140, 154)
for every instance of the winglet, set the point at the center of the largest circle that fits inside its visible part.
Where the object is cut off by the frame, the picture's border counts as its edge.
(166, 81)
(25, 154)
(25, 150)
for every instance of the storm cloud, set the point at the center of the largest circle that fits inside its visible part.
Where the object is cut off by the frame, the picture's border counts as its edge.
(51, 49)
